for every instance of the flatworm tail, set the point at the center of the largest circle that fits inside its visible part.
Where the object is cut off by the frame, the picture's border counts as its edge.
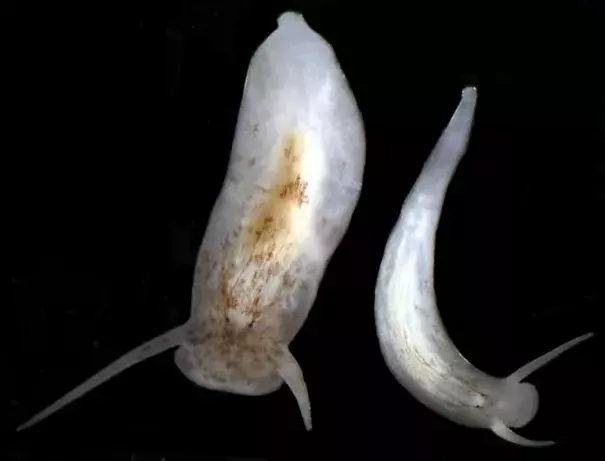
(152, 347)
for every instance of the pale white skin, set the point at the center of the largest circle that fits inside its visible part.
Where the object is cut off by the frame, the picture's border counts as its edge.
(413, 339)
(292, 184)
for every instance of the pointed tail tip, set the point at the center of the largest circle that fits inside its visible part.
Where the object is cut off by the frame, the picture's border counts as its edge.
(586, 336)
(504, 432)
(307, 420)
(24, 426)
(527, 369)
(291, 373)
(31, 422)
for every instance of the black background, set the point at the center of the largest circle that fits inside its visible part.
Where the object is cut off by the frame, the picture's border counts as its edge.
(118, 140)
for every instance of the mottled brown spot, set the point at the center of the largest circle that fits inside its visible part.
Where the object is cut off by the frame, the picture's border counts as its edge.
(295, 191)
(210, 320)
(254, 258)
(229, 300)
(288, 148)
(288, 281)
(272, 217)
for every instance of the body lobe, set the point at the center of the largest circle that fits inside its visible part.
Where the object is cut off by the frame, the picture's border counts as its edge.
(249, 269)
(292, 183)
(413, 339)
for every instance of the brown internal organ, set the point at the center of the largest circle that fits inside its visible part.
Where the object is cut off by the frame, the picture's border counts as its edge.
(266, 243)
(272, 217)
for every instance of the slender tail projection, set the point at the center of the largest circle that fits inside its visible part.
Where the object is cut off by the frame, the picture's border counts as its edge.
(152, 347)
(501, 430)
(290, 371)
(535, 364)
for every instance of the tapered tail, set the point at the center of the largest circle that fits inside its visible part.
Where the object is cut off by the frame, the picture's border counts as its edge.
(501, 430)
(153, 347)
(532, 366)
(290, 371)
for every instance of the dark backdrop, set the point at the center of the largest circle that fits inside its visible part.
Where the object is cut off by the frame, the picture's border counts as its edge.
(120, 135)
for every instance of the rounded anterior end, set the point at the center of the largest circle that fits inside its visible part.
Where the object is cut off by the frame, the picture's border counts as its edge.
(518, 404)
(469, 92)
(289, 17)
(469, 98)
